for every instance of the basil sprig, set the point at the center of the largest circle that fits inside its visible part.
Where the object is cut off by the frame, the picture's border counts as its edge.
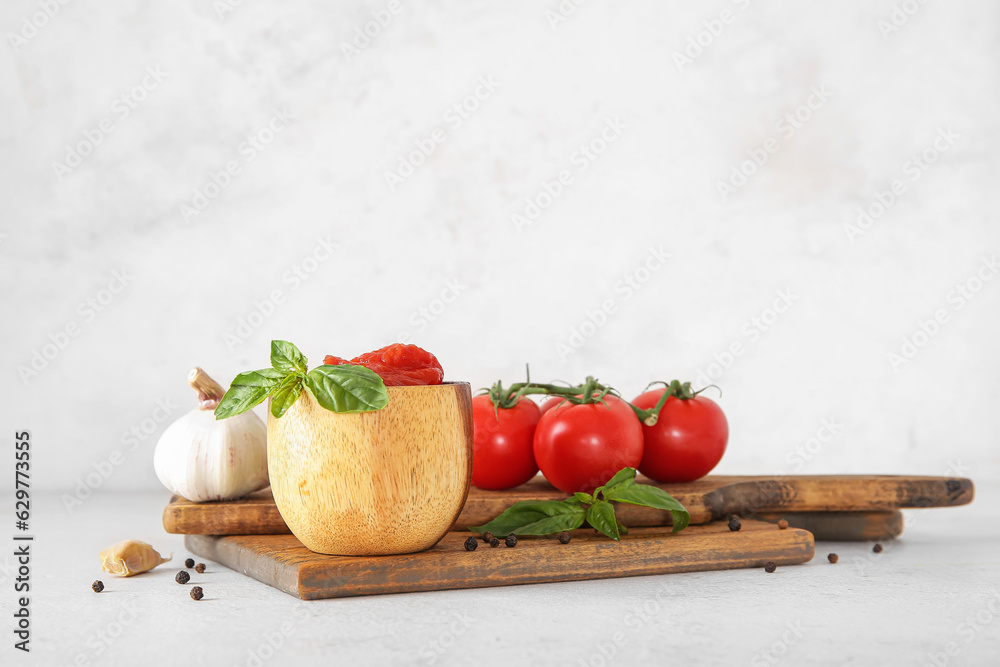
(344, 388)
(545, 517)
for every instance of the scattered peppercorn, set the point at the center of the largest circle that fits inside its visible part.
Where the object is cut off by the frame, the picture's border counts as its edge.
(197, 593)
(833, 558)
(782, 524)
(98, 586)
(734, 523)
(877, 548)
(511, 540)
(487, 537)
(471, 544)
(564, 537)
(189, 563)
(182, 577)
(199, 568)
(494, 542)
(770, 567)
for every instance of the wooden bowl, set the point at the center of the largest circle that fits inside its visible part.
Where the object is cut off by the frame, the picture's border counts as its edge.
(373, 483)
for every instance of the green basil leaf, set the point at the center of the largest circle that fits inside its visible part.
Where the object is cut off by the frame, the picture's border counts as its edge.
(285, 395)
(652, 496)
(286, 358)
(624, 477)
(554, 524)
(584, 497)
(247, 391)
(347, 388)
(601, 516)
(524, 513)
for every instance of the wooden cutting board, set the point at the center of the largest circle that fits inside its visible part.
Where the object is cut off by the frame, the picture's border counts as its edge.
(281, 560)
(865, 504)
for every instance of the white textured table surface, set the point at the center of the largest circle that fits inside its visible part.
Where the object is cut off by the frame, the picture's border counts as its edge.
(936, 589)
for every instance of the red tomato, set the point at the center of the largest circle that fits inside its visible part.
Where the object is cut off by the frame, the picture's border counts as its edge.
(687, 441)
(551, 402)
(504, 455)
(580, 447)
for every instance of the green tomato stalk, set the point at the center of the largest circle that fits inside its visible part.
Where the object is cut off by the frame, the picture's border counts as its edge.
(591, 391)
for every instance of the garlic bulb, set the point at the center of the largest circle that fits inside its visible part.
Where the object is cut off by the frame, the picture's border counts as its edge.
(203, 459)
(130, 557)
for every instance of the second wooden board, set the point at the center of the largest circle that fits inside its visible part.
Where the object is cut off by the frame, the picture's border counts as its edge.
(712, 498)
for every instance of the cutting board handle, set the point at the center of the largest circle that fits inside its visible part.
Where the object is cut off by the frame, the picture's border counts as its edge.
(841, 493)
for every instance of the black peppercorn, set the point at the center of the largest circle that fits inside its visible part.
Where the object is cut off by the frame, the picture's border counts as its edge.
(182, 577)
(494, 543)
(98, 586)
(769, 566)
(471, 544)
(487, 536)
(199, 568)
(197, 593)
(564, 537)
(734, 523)
(877, 548)
(189, 563)
(511, 540)
(833, 558)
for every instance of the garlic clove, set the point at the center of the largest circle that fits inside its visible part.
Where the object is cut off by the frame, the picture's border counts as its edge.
(130, 557)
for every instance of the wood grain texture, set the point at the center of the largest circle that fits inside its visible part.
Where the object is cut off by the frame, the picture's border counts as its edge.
(283, 562)
(373, 483)
(843, 526)
(707, 499)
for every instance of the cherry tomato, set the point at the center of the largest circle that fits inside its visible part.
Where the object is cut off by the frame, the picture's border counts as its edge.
(580, 447)
(551, 402)
(687, 441)
(503, 456)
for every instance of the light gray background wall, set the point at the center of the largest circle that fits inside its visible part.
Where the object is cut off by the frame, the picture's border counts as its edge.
(162, 96)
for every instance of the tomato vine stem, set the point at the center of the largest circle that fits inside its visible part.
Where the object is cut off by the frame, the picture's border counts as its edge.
(591, 391)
